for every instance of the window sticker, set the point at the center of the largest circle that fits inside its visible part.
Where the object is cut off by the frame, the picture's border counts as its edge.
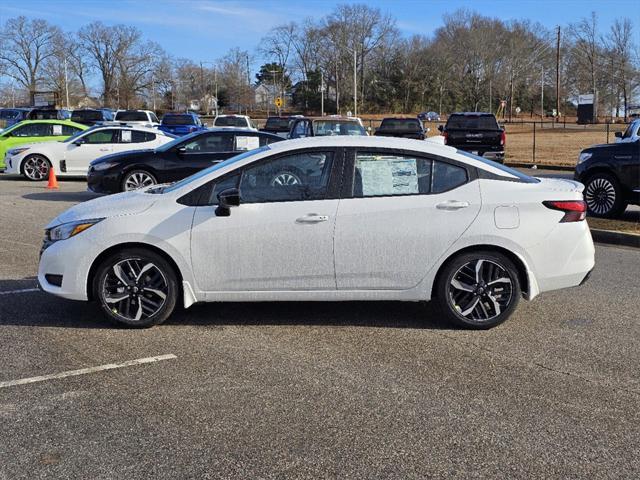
(388, 175)
(57, 129)
(247, 143)
(125, 136)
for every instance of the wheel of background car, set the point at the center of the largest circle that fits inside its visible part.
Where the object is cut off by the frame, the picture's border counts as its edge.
(136, 287)
(137, 179)
(36, 167)
(284, 179)
(603, 196)
(478, 290)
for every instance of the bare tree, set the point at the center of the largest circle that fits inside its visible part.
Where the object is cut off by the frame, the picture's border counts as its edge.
(621, 47)
(587, 50)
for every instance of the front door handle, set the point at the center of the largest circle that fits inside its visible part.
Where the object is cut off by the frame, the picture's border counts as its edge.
(452, 205)
(312, 218)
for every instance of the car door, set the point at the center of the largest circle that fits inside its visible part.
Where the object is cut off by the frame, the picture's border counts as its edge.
(281, 236)
(198, 153)
(88, 148)
(399, 213)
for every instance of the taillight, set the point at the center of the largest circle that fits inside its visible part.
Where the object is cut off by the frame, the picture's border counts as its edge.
(574, 210)
(446, 136)
(503, 138)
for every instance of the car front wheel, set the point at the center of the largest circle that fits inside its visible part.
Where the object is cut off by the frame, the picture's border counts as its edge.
(478, 289)
(603, 196)
(36, 168)
(137, 179)
(136, 287)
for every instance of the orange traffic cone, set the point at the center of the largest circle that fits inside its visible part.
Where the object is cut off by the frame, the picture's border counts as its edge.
(53, 181)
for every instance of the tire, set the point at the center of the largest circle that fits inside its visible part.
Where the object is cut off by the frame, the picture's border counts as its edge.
(478, 298)
(141, 299)
(136, 179)
(36, 168)
(603, 195)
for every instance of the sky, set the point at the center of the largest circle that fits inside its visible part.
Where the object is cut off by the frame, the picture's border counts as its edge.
(204, 30)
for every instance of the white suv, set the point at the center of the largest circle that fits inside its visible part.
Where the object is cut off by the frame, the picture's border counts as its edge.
(234, 121)
(72, 156)
(145, 118)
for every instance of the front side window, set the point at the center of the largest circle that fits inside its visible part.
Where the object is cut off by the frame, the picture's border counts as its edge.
(33, 130)
(381, 174)
(210, 144)
(302, 176)
(102, 136)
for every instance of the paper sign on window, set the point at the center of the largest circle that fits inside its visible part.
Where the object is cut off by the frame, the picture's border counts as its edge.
(125, 136)
(388, 176)
(247, 143)
(57, 129)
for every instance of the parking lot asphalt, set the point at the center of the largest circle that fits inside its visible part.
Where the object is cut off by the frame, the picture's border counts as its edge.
(314, 390)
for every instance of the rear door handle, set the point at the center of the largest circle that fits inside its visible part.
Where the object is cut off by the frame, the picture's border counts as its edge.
(452, 205)
(312, 218)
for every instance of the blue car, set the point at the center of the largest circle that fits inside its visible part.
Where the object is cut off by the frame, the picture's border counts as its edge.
(11, 116)
(181, 123)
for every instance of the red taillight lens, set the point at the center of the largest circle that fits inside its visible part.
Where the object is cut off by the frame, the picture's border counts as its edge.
(446, 136)
(503, 138)
(574, 210)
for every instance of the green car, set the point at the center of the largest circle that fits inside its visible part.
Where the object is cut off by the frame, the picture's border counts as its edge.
(34, 131)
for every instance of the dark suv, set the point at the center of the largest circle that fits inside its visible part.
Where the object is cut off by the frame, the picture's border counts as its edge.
(477, 133)
(611, 174)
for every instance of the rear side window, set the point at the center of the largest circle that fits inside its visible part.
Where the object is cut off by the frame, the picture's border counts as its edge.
(135, 136)
(447, 177)
(33, 130)
(381, 174)
(102, 136)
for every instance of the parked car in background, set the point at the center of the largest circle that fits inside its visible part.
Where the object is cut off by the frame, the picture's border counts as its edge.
(477, 133)
(278, 126)
(611, 175)
(14, 139)
(181, 123)
(370, 219)
(233, 121)
(429, 117)
(11, 116)
(143, 118)
(326, 126)
(45, 114)
(410, 127)
(631, 133)
(91, 116)
(72, 156)
(172, 161)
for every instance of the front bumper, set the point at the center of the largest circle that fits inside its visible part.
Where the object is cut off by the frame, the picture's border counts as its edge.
(103, 182)
(61, 261)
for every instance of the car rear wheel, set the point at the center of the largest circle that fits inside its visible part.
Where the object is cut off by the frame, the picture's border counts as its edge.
(36, 168)
(478, 289)
(136, 287)
(603, 196)
(137, 179)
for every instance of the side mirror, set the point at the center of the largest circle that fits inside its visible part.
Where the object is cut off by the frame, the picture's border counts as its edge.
(181, 150)
(226, 199)
(441, 127)
(618, 134)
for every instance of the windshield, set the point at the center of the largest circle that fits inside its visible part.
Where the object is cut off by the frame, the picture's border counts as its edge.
(230, 122)
(472, 122)
(337, 127)
(400, 124)
(217, 166)
(277, 123)
(178, 120)
(132, 117)
(86, 115)
(521, 176)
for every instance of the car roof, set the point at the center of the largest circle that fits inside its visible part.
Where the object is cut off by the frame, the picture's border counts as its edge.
(239, 131)
(474, 114)
(55, 121)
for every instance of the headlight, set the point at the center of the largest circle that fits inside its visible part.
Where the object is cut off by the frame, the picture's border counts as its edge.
(68, 230)
(102, 166)
(17, 151)
(584, 157)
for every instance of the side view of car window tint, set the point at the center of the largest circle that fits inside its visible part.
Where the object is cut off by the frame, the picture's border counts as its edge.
(101, 136)
(69, 130)
(447, 177)
(210, 144)
(382, 174)
(303, 176)
(33, 130)
(141, 137)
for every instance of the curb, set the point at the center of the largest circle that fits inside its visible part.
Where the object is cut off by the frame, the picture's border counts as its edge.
(616, 238)
(541, 166)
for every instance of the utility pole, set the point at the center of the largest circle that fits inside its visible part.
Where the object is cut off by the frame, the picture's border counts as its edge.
(558, 76)
(355, 83)
(542, 94)
(66, 81)
(321, 93)
(490, 99)
(153, 93)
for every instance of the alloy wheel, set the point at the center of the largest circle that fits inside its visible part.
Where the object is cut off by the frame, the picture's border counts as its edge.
(284, 179)
(480, 290)
(134, 289)
(600, 195)
(36, 168)
(137, 180)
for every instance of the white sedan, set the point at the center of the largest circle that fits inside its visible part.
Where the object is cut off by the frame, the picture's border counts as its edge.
(72, 156)
(326, 219)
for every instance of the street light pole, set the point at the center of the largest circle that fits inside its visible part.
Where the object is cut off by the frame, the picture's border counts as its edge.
(66, 81)
(321, 93)
(355, 83)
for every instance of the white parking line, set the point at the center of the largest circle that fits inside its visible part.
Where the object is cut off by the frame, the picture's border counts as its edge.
(24, 290)
(83, 371)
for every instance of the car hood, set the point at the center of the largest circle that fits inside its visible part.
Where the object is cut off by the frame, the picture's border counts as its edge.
(128, 155)
(48, 145)
(118, 205)
(601, 146)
